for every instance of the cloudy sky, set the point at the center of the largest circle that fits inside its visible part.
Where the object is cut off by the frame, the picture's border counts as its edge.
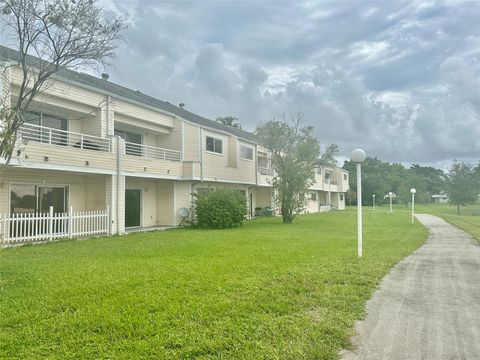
(400, 79)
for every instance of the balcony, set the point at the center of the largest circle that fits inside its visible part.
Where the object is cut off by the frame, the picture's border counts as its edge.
(45, 135)
(265, 171)
(152, 152)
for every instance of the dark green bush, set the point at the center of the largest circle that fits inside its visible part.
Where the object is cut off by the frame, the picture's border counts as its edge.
(220, 209)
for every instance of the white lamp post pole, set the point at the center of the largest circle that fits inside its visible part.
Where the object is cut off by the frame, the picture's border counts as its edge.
(413, 191)
(390, 194)
(373, 201)
(358, 156)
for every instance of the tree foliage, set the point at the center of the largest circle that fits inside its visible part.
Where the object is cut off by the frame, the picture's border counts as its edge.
(61, 35)
(229, 121)
(295, 156)
(380, 177)
(220, 209)
(463, 184)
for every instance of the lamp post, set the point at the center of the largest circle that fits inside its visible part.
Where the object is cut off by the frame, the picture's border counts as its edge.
(413, 191)
(390, 194)
(373, 201)
(358, 156)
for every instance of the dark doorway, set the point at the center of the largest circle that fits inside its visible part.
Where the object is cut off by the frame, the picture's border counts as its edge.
(132, 207)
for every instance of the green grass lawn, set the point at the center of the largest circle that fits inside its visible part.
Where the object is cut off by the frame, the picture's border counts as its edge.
(468, 220)
(264, 291)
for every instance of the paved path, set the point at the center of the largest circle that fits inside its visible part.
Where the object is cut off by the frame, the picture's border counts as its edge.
(428, 306)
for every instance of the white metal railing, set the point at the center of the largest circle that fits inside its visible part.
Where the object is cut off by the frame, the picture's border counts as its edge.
(265, 171)
(28, 227)
(152, 152)
(42, 134)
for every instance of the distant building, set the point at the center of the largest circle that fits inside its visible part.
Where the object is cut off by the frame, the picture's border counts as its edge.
(439, 198)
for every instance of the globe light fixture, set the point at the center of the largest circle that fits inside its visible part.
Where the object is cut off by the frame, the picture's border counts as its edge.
(413, 191)
(358, 156)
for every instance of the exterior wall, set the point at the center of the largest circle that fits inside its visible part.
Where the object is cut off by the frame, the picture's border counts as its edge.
(165, 202)
(183, 198)
(167, 186)
(86, 191)
(222, 167)
(35, 154)
(191, 144)
(173, 140)
(313, 205)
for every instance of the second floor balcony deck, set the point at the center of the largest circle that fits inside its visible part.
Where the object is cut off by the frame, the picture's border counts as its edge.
(51, 136)
(152, 152)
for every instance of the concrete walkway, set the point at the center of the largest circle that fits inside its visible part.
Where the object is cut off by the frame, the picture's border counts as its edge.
(428, 306)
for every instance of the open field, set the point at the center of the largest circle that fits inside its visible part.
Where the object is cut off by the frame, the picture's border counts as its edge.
(264, 291)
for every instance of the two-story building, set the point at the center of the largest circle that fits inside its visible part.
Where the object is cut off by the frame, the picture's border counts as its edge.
(90, 145)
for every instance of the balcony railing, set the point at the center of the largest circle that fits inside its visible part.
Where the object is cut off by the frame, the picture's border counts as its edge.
(265, 171)
(152, 152)
(42, 134)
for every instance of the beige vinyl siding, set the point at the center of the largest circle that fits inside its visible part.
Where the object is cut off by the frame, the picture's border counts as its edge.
(64, 91)
(312, 205)
(76, 126)
(161, 168)
(91, 125)
(173, 140)
(232, 152)
(96, 192)
(165, 204)
(150, 139)
(69, 156)
(191, 146)
(183, 198)
(216, 166)
(86, 191)
(144, 115)
(263, 197)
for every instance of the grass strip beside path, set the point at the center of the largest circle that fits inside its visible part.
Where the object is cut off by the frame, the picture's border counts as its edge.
(468, 220)
(263, 291)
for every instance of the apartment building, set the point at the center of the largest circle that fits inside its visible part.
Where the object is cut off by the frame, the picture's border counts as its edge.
(91, 145)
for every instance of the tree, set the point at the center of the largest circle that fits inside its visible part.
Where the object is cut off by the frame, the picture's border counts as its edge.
(462, 184)
(434, 178)
(412, 180)
(295, 155)
(61, 35)
(229, 121)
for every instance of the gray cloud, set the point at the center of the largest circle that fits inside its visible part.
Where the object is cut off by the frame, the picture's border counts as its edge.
(401, 79)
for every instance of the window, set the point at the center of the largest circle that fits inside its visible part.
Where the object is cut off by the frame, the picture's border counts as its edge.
(133, 141)
(327, 175)
(246, 152)
(341, 197)
(214, 145)
(33, 198)
(46, 135)
(345, 177)
(313, 196)
(262, 159)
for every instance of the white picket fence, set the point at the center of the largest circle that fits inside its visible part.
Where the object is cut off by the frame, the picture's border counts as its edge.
(28, 227)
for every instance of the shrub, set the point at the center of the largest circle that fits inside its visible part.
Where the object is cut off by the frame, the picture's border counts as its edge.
(220, 209)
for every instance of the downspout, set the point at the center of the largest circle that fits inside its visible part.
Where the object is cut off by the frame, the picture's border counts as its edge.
(119, 172)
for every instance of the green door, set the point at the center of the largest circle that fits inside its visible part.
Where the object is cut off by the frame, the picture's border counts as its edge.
(132, 207)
